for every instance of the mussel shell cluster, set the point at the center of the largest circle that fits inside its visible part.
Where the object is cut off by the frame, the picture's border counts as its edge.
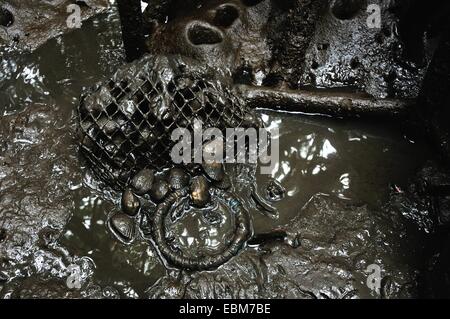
(125, 129)
(147, 186)
(142, 182)
(126, 123)
(167, 191)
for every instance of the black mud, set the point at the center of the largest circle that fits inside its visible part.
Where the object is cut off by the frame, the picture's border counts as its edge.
(354, 193)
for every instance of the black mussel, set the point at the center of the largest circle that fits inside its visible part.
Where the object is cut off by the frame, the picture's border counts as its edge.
(130, 203)
(122, 226)
(200, 195)
(159, 190)
(178, 178)
(142, 182)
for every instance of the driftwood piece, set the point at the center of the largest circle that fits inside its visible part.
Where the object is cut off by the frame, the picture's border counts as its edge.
(340, 104)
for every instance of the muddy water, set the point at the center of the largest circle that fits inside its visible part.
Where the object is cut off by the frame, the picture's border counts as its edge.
(354, 162)
(130, 269)
(57, 71)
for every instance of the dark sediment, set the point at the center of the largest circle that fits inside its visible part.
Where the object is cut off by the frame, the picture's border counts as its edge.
(31, 23)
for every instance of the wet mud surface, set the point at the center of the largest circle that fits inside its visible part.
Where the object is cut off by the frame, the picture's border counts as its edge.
(349, 200)
(26, 25)
(326, 244)
(40, 167)
(297, 44)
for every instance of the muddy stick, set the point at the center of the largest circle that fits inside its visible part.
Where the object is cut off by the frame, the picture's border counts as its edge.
(341, 104)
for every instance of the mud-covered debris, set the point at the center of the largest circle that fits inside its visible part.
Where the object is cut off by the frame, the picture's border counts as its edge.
(142, 182)
(337, 243)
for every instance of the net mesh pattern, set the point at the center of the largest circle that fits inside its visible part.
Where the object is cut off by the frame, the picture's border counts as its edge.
(126, 123)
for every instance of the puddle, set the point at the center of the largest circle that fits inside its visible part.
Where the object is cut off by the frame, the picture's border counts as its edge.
(357, 162)
(61, 68)
(130, 269)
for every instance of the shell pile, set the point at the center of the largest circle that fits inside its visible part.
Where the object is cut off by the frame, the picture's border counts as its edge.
(126, 123)
(125, 128)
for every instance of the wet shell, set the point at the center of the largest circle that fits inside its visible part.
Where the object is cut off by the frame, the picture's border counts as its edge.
(142, 182)
(108, 126)
(122, 226)
(159, 190)
(178, 178)
(200, 195)
(214, 170)
(130, 203)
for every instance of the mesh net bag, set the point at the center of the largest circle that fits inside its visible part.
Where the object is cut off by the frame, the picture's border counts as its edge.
(125, 123)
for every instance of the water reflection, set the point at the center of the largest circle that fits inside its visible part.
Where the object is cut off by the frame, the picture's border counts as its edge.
(130, 269)
(59, 70)
(356, 162)
(201, 231)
